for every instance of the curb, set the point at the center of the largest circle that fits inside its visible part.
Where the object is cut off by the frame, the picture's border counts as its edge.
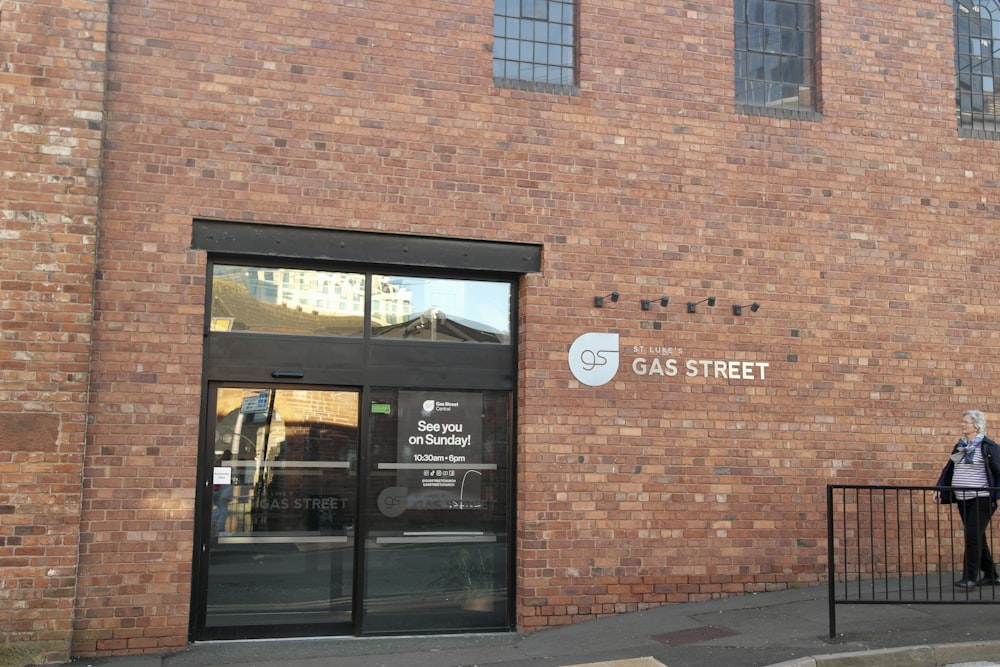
(938, 655)
(632, 662)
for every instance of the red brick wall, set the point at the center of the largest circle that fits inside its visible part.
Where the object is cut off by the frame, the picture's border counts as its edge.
(869, 237)
(52, 58)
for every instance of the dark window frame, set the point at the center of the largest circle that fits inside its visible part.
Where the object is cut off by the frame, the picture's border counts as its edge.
(776, 58)
(532, 42)
(977, 68)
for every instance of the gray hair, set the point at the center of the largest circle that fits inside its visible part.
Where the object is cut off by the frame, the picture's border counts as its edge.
(978, 419)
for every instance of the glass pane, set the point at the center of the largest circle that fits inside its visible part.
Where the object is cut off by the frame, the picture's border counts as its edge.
(540, 56)
(436, 547)
(787, 15)
(508, 7)
(437, 309)
(535, 9)
(755, 66)
(525, 52)
(283, 507)
(772, 12)
(742, 94)
(287, 301)
(791, 43)
(540, 31)
(567, 14)
(804, 18)
(776, 92)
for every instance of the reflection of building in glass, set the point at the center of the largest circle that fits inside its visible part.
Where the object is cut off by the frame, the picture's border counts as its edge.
(318, 303)
(326, 293)
(477, 304)
(391, 303)
(280, 457)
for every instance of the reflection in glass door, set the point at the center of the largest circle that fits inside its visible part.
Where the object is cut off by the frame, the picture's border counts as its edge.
(320, 513)
(436, 517)
(284, 494)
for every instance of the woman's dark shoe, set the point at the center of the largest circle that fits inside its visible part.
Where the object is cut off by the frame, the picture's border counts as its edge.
(965, 583)
(988, 581)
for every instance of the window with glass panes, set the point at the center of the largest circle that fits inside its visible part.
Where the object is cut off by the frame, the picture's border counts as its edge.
(977, 40)
(775, 56)
(534, 44)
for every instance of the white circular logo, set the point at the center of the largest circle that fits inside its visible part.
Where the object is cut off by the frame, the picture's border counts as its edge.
(428, 405)
(593, 358)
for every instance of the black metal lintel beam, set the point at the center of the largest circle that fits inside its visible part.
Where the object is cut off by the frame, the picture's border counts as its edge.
(266, 240)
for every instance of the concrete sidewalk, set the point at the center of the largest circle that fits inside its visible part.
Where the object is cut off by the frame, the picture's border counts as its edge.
(790, 627)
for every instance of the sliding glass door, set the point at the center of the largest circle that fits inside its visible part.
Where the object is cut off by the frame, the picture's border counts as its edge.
(437, 519)
(284, 503)
(286, 521)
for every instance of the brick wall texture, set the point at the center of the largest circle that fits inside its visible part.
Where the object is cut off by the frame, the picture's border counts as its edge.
(869, 237)
(52, 61)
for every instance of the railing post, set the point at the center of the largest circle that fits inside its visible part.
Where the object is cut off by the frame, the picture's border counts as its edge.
(832, 591)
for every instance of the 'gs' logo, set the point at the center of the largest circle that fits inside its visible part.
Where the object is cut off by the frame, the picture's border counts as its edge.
(392, 501)
(593, 358)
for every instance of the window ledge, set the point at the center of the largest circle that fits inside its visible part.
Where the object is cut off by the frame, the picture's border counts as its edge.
(779, 112)
(537, 86)
(987, 135)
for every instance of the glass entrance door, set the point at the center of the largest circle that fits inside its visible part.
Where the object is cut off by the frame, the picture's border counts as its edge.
(379, 508)
(428, 523)
(279, 547)
(436, 516)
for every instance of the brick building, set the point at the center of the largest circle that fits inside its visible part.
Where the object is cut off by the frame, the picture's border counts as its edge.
(366, 317)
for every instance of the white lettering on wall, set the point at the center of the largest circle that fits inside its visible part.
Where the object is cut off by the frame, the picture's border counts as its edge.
(706, 368)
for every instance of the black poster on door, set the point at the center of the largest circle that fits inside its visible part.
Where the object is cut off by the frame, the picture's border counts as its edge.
(441, 447)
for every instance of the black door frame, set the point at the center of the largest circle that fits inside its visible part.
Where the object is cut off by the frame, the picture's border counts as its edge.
(330, 362)
(198, 629)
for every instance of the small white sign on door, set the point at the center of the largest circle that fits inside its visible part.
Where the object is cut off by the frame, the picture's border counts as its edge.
(222, 475)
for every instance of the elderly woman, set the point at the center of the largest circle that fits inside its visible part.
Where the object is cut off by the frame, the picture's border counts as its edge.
(969, 479)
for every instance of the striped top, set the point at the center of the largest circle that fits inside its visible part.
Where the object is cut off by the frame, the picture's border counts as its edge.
(971, 474)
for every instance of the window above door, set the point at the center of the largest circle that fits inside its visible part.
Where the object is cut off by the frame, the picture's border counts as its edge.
(288, 300)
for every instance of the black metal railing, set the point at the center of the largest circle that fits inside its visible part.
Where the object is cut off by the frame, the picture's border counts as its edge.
(897, 545)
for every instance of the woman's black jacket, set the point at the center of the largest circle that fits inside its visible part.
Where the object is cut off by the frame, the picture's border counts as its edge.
(991, 455)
